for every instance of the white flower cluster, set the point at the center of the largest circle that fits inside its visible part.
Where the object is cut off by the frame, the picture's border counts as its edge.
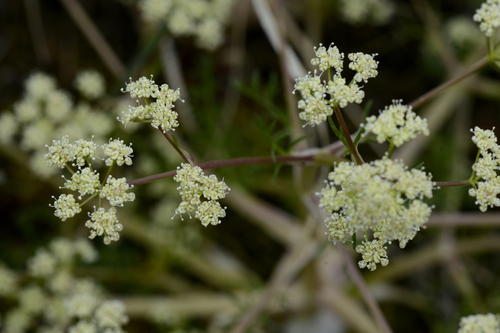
(480, 323)
(397, 124)
(192, 185)
(488, 16)
(314, 103)
(90, 83)
(203, 19)
(86, 181)
(367, 11)
(65, 303)
(485, 180)
(46, 113)
(383, 196)
(159, 113)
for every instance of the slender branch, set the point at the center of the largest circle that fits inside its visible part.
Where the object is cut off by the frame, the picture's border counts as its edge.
(369, 299)
(291, 104)
(94, 36)
(451, 184)
(345, 131)
(38, 35)
(176, 146)
(425, 97)
(227, 163)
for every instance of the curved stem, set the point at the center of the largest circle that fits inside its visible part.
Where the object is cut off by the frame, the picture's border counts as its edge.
(227, 163)
(425, 97)
(345, 131)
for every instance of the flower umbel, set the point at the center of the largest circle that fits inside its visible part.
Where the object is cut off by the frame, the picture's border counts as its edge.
(193, 184)
(488, 16)
(383, 196)
(159, 113)
(480, 323)
(85, 181)
(484, 179)
(397, 123)
(320, 97)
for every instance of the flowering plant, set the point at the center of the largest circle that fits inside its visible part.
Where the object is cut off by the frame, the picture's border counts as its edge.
(241, 210)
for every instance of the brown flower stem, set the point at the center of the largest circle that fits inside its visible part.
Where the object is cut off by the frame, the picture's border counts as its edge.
(176, 146)
(345, 131)
(425, 97)
(451, 184)
(228, 163)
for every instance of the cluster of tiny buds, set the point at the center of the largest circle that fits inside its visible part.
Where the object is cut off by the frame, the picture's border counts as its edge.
(86, 181)
(397, 124)
(485, 180)
(489, 17)
(480, 323)
(202, 19)
(193, 184)
(315, 105)
(52, 299)
(159, 113)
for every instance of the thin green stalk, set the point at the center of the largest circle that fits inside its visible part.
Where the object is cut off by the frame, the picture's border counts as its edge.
(345, 131)
(176, 146)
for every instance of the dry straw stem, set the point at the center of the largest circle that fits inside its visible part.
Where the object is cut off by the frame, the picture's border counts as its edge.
(278, 224)
(432, 255)
(209, 304)
(330, 292)
(270, 27)
(150, 276)
(291, 103)
(475, 220)
(460, 275)
(291, 263)
(362, 287)
(172, 70)
(197, 263)
(94, 36)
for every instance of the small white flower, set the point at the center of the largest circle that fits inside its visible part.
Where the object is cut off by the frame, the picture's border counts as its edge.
(373, 253)
(66, 207)
(90, 84)
(85, 181)
(43, 264)
(111, 314)
(397, 123)
(104, 223)
(488, 16)
(364, 65)
(117, 152)
(192, 185)
(480, 323)
(142, 88)
(60, 153)
(331, 58)
(115, 190)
